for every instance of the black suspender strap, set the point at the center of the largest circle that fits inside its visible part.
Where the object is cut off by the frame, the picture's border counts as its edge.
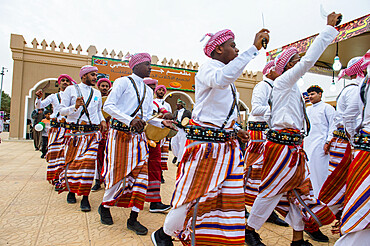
(307, 120)
(85, 105)
(343, 90)
(140, 106)
(59, 100)
(363, 94)
(232, 107)
(268, 83)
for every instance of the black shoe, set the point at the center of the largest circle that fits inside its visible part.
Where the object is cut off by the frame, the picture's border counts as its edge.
(36, 149)
(138, 228)
(274, 219)
(159, 240)
(252, 238)
(71, 198)
(301, 243)
(96, 187)
(158, 207)
(42, 156)
(174, 160)
(105, 216)
(85, 205)
(318, 236)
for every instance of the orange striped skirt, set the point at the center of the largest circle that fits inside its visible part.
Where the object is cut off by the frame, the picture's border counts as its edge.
(55, 154)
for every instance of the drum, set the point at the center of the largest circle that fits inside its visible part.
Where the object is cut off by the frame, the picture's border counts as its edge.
(40, 126)
(155, 133)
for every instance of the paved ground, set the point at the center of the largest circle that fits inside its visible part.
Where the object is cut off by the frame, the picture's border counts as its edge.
(32, 213)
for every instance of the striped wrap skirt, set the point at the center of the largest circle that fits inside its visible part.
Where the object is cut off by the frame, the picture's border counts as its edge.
(210, 183)
(55, 154)
(165, 151)
(80, 153)
(125, 170)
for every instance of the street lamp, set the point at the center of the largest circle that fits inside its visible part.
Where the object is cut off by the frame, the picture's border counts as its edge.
(3, 70)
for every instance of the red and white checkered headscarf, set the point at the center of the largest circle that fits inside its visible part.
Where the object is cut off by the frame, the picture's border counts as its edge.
(87, 69)
(72, 82)
(104, 80)
(161, 86)
(138, 58)
(218, 38)
(284, 58)
(356, 66)
(268, 67)
(150, 81)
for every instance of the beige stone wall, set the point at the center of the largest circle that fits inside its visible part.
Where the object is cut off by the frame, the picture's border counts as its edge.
(36, 64)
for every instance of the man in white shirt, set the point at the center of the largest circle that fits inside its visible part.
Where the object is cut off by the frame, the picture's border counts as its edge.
(339, 147)
(355, 219)
(81, 104)
(208, 201)
(256, 126)
(130, 104)
(284, 169)
(55, 155)
(178, 141)
(165, 108)
(321, 116)
(104, 85)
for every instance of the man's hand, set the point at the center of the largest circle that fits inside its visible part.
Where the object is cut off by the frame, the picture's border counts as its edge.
(332, 19)
(327, 148)
(167, 116)
(169, 124)
(264, 33)
(103, 126)
(138, 125)
(39, 94)
(79, 102)
(243, 135)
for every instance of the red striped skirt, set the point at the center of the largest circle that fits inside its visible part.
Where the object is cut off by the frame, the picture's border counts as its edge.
(55, 154)
(125, 169)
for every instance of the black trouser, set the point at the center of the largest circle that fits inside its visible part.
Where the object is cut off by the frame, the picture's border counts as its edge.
(44, 145)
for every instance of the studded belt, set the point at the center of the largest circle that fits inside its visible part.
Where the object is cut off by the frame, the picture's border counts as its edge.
(284, 137)
(362, 141)
(54, 123)
(339, 133)
(257, 125)
(120, 126)
(81, 128)
(208, 134)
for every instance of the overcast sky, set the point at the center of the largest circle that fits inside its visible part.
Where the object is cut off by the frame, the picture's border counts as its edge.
(165, 28)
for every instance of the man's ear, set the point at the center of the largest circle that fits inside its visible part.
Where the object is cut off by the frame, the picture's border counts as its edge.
(219, 49)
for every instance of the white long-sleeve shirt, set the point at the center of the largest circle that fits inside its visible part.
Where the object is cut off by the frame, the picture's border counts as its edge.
(353, 113)
(67, 107)
(122, 101)
(260, 96)
(348, 96)
(287, 102)
(213, 95)
(53, 100)
(163, 104)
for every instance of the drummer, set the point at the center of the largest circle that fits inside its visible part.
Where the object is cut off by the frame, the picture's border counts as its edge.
(130, 104)
(153, 194)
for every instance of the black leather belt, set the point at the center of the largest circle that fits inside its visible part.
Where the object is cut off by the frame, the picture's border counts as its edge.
(81, 128)
(362, 141)
(208, 134)
(257, 125)
(56, 124)
(339, 133)
(120, 126)
(284, 137)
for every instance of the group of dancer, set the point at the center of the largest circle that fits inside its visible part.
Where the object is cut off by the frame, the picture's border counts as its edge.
(214, 181)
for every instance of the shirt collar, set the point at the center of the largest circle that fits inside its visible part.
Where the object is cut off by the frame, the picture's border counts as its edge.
(83, 85)
(318, 103)
(136, 78)
(268, 80)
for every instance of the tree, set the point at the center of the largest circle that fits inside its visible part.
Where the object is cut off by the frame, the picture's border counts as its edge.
(5, 103)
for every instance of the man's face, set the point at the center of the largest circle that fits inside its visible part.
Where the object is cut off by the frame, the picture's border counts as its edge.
(41, 111)
(294, 60)
(47, 116)
(178, 106)
(104, 88)
(90, 78)
(143, 69)
(230, 52)
(160, 93)
(272, 75)
(314, 97)
(64, 82)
